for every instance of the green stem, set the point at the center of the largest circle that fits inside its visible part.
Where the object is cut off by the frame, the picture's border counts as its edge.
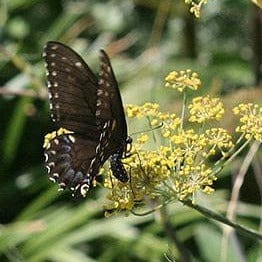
(217, 170)
(230, 151)
(153, 131)
(153, 209)
(233, 202)
(208, 213)
(211, 214)
(208, 155)
(183, 110)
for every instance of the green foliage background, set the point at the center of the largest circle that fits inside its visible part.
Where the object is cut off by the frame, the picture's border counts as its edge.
(146, 40)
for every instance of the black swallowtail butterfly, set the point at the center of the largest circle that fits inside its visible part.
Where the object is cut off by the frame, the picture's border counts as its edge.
(91, 108)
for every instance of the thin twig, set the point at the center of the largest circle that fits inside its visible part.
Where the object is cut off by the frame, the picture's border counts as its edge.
(163, 10)
(6, 91)
(257, 166)
(231, 213)
(183, 110)
(242, 147)
(232, 206)
(122, 44)
(153, 209)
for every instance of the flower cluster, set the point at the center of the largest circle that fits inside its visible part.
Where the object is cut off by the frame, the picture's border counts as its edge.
(182, 80)
(172, 160)
(196, 7)
(147, 110)
(191, 179)
(177, 168)
(52, 135)
(218, 138)
(148, 170)
(205, 108)
(251, 120)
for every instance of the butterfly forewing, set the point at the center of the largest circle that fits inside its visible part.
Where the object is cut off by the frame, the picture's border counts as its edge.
(72, 88)
(108, 93)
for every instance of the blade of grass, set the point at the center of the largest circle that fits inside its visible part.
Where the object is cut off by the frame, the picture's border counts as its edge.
(14, 132)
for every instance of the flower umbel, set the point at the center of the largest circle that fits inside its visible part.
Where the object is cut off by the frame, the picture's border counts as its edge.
(219, 137)
(179, 167)
(196, 6)
(147, 110)
(173, 161)
(205, 108)
(52, 135)
(251, 120)
(191, 179)
(182, 80)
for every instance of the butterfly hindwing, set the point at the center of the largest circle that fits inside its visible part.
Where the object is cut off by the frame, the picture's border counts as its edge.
(73, 162)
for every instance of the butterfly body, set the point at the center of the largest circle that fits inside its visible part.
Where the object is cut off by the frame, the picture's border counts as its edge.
(90, 113)
(118, 168)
